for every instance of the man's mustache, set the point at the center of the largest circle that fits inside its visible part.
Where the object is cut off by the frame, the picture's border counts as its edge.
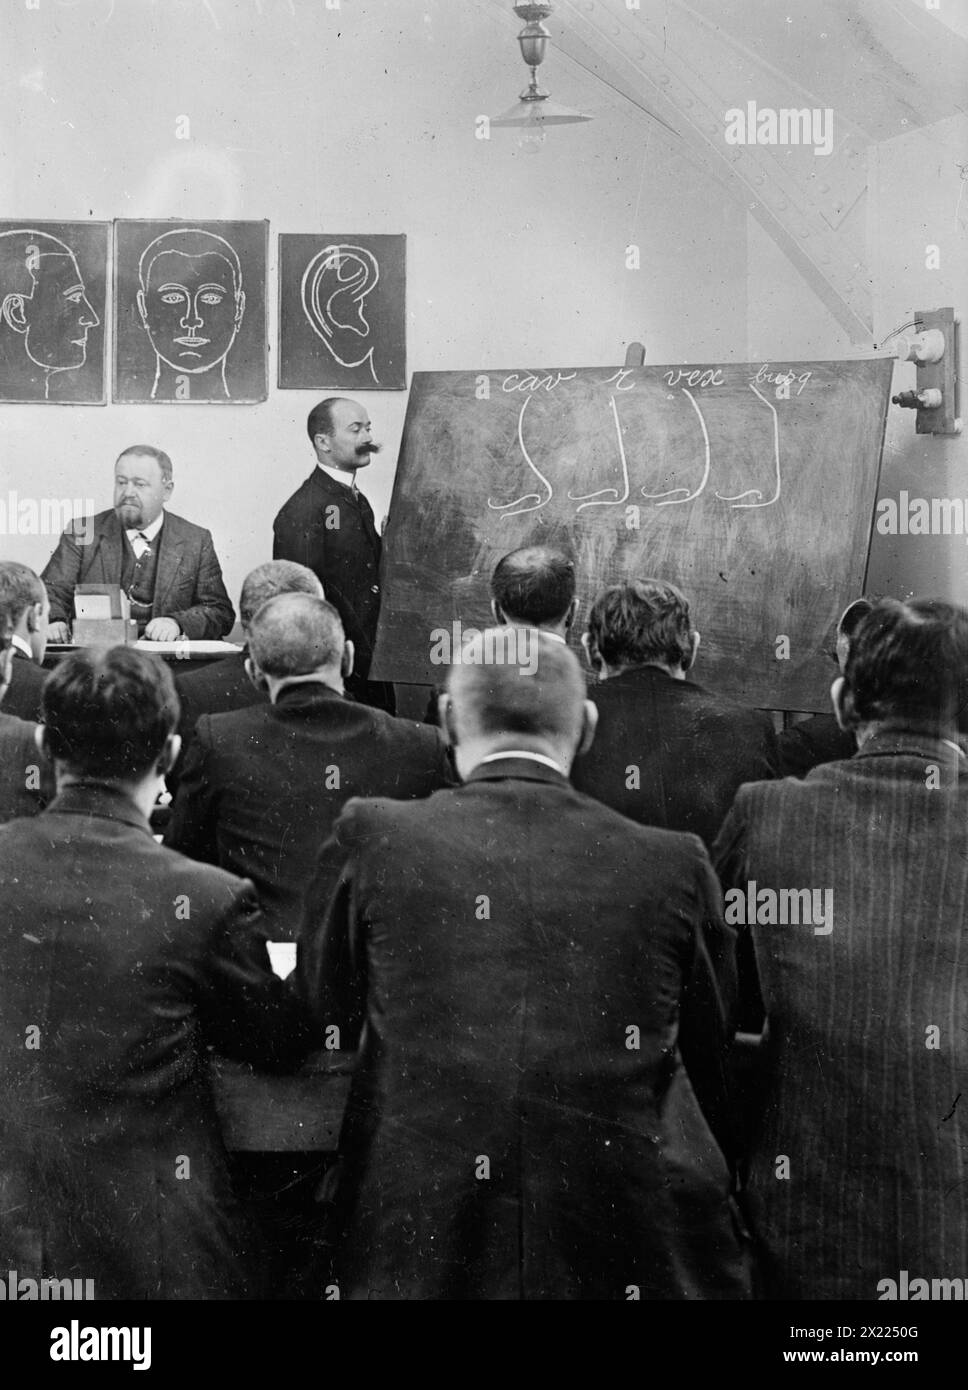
(368, 449)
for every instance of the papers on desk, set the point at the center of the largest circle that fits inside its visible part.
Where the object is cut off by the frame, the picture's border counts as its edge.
(182, 646)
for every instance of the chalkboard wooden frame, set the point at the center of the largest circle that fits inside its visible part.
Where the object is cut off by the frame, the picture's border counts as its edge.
(204, 342)
(52, 330)
(342, 312)
(750, 485)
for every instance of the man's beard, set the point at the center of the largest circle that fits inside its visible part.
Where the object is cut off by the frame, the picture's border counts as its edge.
(130, 516)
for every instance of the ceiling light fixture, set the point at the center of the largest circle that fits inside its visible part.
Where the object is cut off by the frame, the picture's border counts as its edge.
(534, 110)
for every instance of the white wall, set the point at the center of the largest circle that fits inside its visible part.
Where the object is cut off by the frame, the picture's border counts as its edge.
(357, 120)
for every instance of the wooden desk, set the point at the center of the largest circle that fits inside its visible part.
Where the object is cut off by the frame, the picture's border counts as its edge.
(175, 653)
(262, 1113)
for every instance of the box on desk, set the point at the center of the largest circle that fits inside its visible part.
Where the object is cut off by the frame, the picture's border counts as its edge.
(102, 616)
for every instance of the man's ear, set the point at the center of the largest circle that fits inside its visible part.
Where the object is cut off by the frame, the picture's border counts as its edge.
(169, 754)
(347, 659)
(42, 740)
(841, 700)
(35, 613)
(6, 669)
(140, 297)
(572, 613)
(694, 639)
(239, 307)
(12, 312)
(589, 723)
(319, 442)
(445, 718)
(256, 676)
(592, 655)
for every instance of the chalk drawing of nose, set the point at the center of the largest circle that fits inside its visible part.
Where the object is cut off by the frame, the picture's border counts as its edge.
(335, 285)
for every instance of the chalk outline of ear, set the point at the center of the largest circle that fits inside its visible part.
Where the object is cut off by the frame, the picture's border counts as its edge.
(19, 324)
(309, 299)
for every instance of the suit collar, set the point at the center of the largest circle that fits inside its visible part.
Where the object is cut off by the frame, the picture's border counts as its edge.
(111, 542)
(327, 486)
(652, 676)
(912, 742)
(170, 549)
(100, 800)
(308, 695)
(522, 769)
(20, 647)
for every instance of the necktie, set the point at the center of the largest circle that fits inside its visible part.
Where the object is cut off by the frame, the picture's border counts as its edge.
(140, 545)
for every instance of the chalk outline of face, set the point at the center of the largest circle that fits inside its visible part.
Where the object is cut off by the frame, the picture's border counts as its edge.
(204, 244)
(15, 307)
(357, 285)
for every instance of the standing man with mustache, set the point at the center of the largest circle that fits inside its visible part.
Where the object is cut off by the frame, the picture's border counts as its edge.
(327, 525)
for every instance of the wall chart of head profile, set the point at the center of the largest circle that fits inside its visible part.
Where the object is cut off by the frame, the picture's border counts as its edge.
(53, 278)
(342, 306)
(190, 306)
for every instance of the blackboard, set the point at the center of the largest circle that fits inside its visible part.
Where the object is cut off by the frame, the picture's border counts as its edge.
(342, 312)
(53, 282)
(190, 312)
(750, 485)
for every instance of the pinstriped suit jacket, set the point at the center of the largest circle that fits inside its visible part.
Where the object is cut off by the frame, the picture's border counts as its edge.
(867, 1056)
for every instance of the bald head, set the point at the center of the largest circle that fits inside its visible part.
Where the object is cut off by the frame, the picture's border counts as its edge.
(534, 586)
(272, 578)
(296, 635)
(535, 706)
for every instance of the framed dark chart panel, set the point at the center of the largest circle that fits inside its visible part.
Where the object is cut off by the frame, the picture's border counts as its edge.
(342, 312)
(190, 312)
(53, 291)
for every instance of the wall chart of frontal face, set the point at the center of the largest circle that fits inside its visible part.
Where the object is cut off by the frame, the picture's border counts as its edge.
(53, 278)
(342, 312)
(190, 307)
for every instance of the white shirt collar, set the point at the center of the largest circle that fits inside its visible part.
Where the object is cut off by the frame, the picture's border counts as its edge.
(340, 475)
(521, 753)
(17, 641)
(149, 532)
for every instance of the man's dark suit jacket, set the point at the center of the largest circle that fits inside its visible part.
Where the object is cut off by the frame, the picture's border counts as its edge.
(669, 753)
(861, 1095)
(334, 534)
(25, 688)
(216, 687)
(188, 586)
(26, 778)
(813, 741)
(531, 975)
(261, 787)
(124, 962)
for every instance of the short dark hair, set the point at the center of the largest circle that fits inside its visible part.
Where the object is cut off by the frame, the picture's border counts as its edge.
(274, 577)
(19, 588)
(159, 456)
(909, 661)
(109, 711)
(320, 420)
(294, 635)
(642, 621)
(534, 585)
(544, 699)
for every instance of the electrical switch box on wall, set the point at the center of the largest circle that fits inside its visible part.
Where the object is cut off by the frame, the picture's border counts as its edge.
(934, 350)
